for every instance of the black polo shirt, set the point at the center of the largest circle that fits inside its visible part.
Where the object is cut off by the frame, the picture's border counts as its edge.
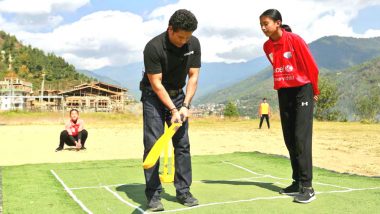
(161, 56)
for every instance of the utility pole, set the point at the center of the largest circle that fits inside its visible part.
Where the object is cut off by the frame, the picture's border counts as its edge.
(42, 87)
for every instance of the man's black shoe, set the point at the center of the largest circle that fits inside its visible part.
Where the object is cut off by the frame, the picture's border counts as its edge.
(83, 148)
(59, 149)
(155, 205)
(187, 199)
(293, 189)
(306, 195)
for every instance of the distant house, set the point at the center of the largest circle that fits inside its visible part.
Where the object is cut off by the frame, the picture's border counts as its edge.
(14, 92)
(96, 96)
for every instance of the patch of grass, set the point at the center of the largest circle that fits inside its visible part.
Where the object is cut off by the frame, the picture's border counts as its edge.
(222, 183)
(25, 117)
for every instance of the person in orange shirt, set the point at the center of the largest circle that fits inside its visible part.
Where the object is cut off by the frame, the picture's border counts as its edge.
(264, 112)
(74, 133)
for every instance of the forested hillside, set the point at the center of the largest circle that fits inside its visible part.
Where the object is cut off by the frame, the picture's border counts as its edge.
(30, 63)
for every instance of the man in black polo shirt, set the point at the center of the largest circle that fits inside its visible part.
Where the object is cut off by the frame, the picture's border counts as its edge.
(169, 59)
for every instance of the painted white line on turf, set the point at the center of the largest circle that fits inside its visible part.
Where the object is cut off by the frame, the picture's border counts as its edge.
(264, 198)
(124, 201)
(73, 196)
(226, 202)
(243, 168)
(102, 186)
(115, 185)
(333, 185)
(348, 190)
(274, 177)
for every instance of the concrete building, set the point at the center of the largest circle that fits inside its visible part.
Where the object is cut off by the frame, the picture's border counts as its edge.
(14, 92)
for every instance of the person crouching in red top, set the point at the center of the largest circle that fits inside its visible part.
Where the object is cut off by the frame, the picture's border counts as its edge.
(295, 75)
(74, 133)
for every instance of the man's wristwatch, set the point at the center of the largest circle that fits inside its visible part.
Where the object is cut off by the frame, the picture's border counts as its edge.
(186, 105)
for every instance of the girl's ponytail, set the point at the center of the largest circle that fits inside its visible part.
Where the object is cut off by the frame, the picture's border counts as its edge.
(286, 27)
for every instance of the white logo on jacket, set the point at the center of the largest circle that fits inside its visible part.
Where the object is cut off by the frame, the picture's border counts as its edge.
(289, 68)
(304, 103)
(287, 54)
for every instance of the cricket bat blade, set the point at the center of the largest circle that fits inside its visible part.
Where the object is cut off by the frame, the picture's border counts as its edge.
(157, 148)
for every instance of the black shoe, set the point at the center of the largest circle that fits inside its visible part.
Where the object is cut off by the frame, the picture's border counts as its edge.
(293, 189)
(83, 148)
(155, 205)
(59, 149)
(187, 199)
(306, 195)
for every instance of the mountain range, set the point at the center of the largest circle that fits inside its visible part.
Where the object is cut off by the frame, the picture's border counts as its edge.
(343, 60)
(213, 76)
(218, 79)
(353, 64)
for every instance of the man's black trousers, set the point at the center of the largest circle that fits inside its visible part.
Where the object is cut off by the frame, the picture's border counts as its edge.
(154, 116)
(266, 116)
(296, 111)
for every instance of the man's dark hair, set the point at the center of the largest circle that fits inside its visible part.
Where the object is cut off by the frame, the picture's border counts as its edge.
(264, 98)
(74, 110)
(183, 20)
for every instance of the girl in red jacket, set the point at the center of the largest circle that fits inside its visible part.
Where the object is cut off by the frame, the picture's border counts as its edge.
(295, 75)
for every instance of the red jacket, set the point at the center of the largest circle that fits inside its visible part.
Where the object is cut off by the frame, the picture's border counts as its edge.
(74, 128)
(293, 64)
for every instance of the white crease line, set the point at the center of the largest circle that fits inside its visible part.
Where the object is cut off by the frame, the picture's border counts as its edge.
(236, 179)
(115, 185)
(71, 193)
(227, 202)
(332, 185)
(124, 201)
(245, 169)
(102, 186)
(348, 190)
(265, 198)
(274, 177)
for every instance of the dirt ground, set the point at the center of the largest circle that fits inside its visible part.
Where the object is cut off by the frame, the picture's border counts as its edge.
(343, 147)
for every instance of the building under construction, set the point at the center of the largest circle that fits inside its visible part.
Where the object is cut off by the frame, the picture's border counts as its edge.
(96, 97)
(16, 94)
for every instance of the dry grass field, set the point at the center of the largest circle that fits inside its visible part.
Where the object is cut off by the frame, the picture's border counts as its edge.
(32, 138)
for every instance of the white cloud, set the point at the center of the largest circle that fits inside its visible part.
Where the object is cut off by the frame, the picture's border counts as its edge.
(99, 39)
(37, 7)
(89, 63)
(229, 31)
(35, 15)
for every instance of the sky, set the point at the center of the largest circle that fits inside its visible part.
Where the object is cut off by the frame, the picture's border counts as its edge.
(92, 34)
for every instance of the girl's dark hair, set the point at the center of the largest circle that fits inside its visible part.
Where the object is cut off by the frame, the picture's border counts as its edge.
(286, 27)
(183, 20)
(74, 110)
(275, 15)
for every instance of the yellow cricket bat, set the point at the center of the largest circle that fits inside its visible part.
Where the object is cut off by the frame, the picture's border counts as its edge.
(157, 148)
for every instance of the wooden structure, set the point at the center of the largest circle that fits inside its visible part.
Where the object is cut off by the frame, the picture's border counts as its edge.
(96, 96)
(49, 100)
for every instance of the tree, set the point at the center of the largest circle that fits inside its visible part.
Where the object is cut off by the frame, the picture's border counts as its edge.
(231, 110)
(327, 101)
(367, 107)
